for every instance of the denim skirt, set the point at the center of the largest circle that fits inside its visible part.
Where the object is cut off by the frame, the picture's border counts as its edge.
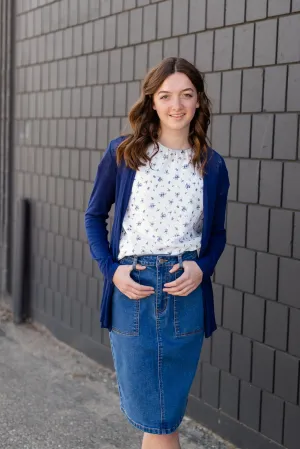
(156, 343)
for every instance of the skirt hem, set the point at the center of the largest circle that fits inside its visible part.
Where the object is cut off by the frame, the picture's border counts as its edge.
(152, 430)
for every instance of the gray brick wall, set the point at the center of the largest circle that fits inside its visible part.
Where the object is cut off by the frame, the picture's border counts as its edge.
(79, 66)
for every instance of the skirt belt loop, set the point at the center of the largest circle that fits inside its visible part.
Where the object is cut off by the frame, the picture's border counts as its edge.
(180, 260)
(135, 258)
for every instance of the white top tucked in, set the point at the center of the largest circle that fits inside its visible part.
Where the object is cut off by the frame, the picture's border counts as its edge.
(165, 209)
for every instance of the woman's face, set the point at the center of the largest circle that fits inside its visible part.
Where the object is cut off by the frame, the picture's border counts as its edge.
(175, 102)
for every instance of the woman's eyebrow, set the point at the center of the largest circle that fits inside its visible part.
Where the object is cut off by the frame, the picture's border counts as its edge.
(167, 92)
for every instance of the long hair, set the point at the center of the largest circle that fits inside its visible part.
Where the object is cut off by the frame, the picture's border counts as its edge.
(145, 122)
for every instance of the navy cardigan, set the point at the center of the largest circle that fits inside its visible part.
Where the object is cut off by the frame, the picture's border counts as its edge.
(113, 185)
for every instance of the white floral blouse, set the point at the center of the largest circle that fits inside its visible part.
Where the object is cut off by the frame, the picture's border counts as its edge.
(165, 209)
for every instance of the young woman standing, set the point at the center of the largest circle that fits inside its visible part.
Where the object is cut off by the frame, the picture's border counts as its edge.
(170, 193)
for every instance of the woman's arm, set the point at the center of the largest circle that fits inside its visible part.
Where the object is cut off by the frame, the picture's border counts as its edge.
(101, 200)
(217, 240)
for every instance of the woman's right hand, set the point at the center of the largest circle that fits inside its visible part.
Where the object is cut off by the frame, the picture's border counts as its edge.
(127, 285)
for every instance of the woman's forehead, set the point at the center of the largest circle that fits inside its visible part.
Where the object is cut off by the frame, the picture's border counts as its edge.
(176, 83)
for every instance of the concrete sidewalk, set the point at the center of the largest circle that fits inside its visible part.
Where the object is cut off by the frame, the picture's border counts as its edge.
(51, 396)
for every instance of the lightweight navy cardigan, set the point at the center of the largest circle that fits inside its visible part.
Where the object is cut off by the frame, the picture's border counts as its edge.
(113, 185)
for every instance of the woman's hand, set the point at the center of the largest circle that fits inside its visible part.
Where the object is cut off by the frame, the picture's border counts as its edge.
(190, 279)
(126, 284)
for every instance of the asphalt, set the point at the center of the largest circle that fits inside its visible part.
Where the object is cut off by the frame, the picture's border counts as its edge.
(52, 396)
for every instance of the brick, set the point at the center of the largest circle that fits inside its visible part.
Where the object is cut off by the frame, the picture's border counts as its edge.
(215, 13)
(221, 348)
(94, 11)
(224, 269)
(115, 66)
(77, 40)
(97, 101)
(127, 64)
(229, 394)
(295, 5)
(266, 275)
(243, 46)
(164, 19)
(270, 183)
(289, 287)
(223, 49)
(241, 357)
(291, 426)
(276, 325)
(155, 53)
(286, 367)
(110, 32)
(71, 129)
(252, 90)
(285, 136)
(236, 224)
(240, 135)
(213, 82)
(294, 333)
(72, 282)
(79, 194)
(221, 133)
(233, 307)
(289, 39)
(272, 416)
(244, 270)
(149, 21)
(61, 141)
(105, 8)
(232, 167)
(250, 398)
(88, 38)
(281, 228)
(62, 73)
(83, 11)
(265, 42)
(71, 70)
(180, 17)
(204, 51)
(65, 154)
(253, 321)
(275, 81)
(120, 102)
(143, 2)
(102, 133)
(135, 31)
(296, 243)
(80, 133)
(92, 63)
(293, 95)
(123, 29)
(91, 133)
(291, 186)
(197, 13)
(258, 228)
(128, 4)
(98, 35)
(187, 48)
(108, 100)
(231, 91)
(210, 384)
(114, 128)
(235, 12)
(141, 56)
(277, 7)
(248, 181)
(103, 68)
(117, 6)
(76, 102)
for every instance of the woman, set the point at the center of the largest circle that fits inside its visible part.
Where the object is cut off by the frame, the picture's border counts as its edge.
(170, 193)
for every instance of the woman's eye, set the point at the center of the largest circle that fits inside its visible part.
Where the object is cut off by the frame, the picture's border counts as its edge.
(188, 95)
(164, 97)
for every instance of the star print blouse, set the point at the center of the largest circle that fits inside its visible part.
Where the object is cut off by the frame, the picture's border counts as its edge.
(165, 209)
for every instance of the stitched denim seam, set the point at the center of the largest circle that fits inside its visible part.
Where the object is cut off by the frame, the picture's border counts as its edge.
(152, 429)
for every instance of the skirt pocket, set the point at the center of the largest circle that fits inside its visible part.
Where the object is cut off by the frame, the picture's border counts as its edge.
(188, 312)
(126, 311)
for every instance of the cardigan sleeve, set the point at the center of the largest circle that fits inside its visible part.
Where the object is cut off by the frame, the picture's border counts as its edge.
(217, 240)
(96, 215)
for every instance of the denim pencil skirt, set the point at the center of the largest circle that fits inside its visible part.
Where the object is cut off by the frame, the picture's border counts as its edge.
(156, 344)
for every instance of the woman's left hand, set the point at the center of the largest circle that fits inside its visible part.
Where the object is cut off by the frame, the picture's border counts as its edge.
(190, 279)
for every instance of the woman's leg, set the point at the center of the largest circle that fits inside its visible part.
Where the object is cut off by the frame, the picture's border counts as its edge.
(152, 441)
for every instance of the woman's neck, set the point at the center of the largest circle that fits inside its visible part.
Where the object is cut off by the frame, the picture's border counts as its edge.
(175, 142)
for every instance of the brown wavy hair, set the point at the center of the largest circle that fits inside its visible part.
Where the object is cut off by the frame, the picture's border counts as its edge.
(145, 122)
